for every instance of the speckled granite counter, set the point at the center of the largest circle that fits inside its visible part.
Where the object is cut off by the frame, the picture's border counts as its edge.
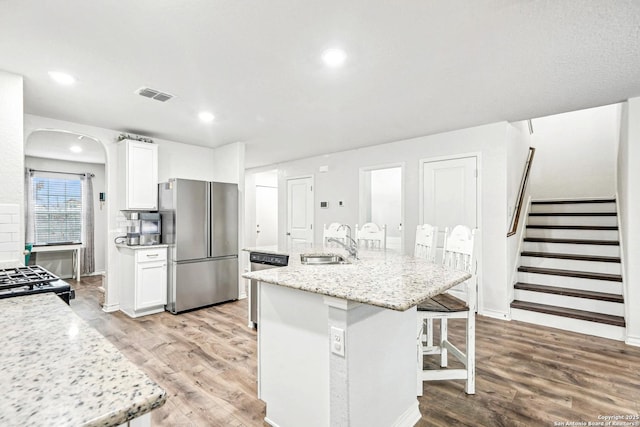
(381, 278)
(60, 371)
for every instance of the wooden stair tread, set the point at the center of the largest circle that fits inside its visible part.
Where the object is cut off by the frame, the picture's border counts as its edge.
(571, 202)
(572, 273)
(578, 293)
(575, 227)
(572, 256)
(569, 312)
(573, 214)
(444, 303)
(573, 241)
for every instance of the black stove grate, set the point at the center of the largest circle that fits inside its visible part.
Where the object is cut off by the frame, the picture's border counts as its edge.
(21, 276)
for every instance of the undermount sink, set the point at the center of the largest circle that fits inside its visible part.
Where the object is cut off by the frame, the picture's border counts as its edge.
(315, 259)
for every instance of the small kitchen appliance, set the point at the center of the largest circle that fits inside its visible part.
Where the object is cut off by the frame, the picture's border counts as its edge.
(150, 227)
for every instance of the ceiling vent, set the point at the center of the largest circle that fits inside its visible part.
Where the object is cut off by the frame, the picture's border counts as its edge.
(154, 94)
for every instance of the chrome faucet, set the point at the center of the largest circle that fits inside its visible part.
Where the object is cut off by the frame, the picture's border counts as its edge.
(351, 246)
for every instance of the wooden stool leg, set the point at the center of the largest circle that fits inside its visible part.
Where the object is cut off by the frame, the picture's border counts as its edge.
(471, 353)
(429, 333)
(419, 357)
(443, 339)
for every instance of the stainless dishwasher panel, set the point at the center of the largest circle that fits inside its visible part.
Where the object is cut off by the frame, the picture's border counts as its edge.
(260, 261)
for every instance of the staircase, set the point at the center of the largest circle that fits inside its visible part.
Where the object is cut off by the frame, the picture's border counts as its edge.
(570, 272)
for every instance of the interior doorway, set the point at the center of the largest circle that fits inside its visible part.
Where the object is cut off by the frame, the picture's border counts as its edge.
(266, 208)
(300, 203)
(382, 200)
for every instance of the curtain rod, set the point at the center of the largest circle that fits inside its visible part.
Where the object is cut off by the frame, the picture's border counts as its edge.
(65, 173)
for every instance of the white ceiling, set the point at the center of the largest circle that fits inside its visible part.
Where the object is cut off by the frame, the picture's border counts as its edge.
(415, 67)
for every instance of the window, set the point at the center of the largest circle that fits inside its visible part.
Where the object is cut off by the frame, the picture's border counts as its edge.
(57, 209)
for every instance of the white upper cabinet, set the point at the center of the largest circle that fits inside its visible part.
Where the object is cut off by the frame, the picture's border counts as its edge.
(139, 176)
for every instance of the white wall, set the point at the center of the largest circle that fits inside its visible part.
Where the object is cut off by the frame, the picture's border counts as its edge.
(60, 263)
(575, 154)
(340, 182)
(629, 213)
(12, 163)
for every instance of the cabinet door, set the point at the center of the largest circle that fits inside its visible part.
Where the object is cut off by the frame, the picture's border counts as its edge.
(142, 175)
(151, 284)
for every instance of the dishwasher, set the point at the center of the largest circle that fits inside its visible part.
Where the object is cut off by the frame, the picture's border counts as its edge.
(261, 261)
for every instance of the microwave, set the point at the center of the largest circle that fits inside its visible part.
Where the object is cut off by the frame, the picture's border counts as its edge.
(150, 228)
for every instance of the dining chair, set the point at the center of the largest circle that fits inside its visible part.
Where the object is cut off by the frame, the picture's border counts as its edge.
(333, 230)
(458, 253)
(372, 236)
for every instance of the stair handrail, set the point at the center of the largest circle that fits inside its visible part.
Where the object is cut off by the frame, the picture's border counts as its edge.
(523, 186)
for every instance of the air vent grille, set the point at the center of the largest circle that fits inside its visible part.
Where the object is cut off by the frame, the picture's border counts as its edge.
(154, 94)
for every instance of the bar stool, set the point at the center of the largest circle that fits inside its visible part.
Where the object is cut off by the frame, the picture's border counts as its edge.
(458, 253)
(333, 231)
(372, 235)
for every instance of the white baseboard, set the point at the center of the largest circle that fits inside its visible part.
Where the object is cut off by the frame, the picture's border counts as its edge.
(410, 417)
(634, 341)
(110, 308)
(270, 422)
(495, 314)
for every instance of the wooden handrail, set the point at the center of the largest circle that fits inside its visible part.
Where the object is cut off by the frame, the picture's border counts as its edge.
(523, 187)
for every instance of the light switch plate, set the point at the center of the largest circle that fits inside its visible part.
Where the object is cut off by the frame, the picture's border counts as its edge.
(337, 341)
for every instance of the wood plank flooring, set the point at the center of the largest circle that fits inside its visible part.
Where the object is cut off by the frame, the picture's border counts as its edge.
(526, 375)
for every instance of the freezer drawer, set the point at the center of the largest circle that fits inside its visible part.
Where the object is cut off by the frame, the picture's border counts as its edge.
(201, 283)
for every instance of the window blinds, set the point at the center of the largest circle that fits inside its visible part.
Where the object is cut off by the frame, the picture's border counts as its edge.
(57, 213)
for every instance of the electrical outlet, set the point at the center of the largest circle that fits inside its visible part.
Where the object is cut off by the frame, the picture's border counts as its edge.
(337, 341)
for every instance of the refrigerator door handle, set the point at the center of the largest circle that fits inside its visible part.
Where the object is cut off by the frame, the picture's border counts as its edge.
(207, 224)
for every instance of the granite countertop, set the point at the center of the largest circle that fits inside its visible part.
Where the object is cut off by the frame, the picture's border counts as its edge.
(60, 371)
(381, 278)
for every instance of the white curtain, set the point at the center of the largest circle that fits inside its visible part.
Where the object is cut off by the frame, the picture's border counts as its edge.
(88, 257)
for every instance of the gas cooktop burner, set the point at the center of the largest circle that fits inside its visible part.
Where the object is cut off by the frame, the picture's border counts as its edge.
(21, 276)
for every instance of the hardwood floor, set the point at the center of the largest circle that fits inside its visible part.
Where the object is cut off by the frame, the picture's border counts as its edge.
(526, 375)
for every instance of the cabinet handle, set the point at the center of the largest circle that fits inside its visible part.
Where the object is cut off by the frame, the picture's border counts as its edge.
(152, 255)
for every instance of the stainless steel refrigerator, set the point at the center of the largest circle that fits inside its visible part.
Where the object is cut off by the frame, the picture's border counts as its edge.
(200, 225)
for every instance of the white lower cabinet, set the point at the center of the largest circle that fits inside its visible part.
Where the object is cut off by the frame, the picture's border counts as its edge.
(143, 280)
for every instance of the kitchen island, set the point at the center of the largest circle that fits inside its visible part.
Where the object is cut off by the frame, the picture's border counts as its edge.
(337, 343)
(60, 371)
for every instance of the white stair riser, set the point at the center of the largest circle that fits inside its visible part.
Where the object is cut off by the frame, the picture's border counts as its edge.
(570, 264)
(575, 325)
(572, 220)
(573, 234)
(591, 305)
(571, 282)
(574, 207)
(570, 248)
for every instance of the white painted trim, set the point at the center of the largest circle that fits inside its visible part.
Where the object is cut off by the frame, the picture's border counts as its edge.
(495, 314)
(410, 417)
(634, 341)
(111, 307)
(313, 211)
(629, 339)
(402, 166)
(270, 422)
(520, 236)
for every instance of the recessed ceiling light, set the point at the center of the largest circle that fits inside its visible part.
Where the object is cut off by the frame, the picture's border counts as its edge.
(206, 116)
(62, 78)
(75, 149)
(334, 57)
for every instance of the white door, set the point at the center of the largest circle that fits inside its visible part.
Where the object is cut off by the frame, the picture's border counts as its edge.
(266, 216)
(300, 212)
(449, 194)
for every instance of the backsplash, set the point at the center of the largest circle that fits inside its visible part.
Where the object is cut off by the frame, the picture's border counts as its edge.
(10, 251)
